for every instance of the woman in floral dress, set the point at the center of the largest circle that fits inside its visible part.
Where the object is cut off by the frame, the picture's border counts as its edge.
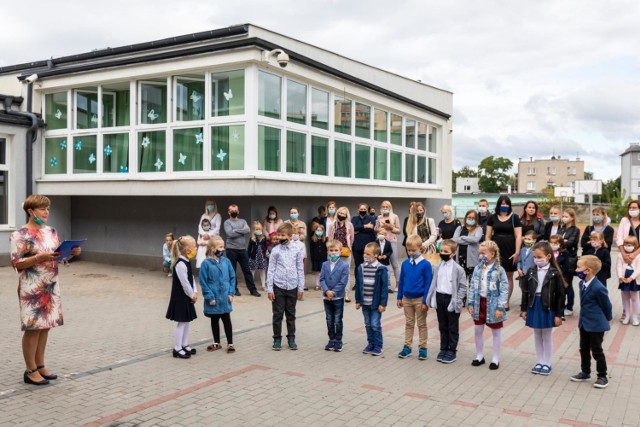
(32, 255)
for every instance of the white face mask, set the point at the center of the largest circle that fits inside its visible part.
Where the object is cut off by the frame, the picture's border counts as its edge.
(482, 209)
(554, 247)
(381, 237)
(633, 213)
(566, 220)
(629, 249)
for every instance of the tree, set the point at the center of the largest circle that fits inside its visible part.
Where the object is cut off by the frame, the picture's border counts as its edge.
(465, 172)
(494, 174)
(610, 191)
(588, 175)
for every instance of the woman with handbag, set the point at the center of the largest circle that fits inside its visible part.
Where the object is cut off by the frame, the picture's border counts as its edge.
(342, 230)
(419, 224)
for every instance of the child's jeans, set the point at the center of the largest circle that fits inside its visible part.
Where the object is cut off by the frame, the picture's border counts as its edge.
(333, 310)
(372, 319)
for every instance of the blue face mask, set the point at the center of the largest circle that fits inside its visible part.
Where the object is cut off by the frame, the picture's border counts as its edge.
(319, 233)
(415, 255)
(210, 208)
(206, 227)
(597, 219)
(334, 257)
(554, 218)
(483, 259)
(470, 222)
(258, 233)
(446, 215)
(581, 275)
(504, 208)
(219, 253)
(37, 220)
(332, 211)
(293, 216)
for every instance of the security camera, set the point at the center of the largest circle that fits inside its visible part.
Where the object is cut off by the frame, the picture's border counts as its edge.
(281, 57)
(32, 78)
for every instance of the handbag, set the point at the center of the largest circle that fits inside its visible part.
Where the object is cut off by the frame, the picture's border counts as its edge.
(431, 254)
(345, 252)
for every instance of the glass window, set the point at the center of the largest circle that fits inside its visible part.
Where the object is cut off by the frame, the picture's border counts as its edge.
(227, 93)
(380, 163)
(55, 105)
(319, 108)
(187, 149)
(422, 169)
(363, 120)
(269, 95)
(319, 155)
(380, 125)
(410, 133)
(4, 183)
(433, 139)
(151, 151)
(115, 152)
(153, 102)
(190, 98)
(296, 102)
(396, 129)
(396, 166)
(432, 171)
(55, 153)
(342, 161)
(422, 136)
(268, 148)
(342, 115)
(410, 168)
(84, 154)
(227, 147)
(87, 108)
(363, 161)
(296, 152)
(116, 100)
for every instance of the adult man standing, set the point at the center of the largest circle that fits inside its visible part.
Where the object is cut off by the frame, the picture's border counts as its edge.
(236, 247)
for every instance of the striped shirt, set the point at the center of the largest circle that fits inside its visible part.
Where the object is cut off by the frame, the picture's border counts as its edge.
(368, 282)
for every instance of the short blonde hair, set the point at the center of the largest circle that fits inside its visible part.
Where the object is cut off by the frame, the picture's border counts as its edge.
(35, 201)
(447, 208)
(450, 244)
(373, 247)
(592, 262)
(286, 228)
(334, 244)
(414, 240)
(212, 243)
(631, 240)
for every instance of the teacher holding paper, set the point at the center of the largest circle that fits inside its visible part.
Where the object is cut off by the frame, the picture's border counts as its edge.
(32, 255)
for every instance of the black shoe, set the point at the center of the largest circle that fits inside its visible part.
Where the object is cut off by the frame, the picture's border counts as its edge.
(238, 293)
(601, 382)
(494, 366)
(181, 354)
(477, 362)
(391, 291)
(579, 377)
(28, 380)
(47, 377)
(189, 350)
(255, 293)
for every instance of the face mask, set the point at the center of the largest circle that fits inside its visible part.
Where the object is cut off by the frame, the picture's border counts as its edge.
(293, 216)
(38, 220)
(218, 253)
(284, 241)
(295, 238)
(369, 260)
(566, 221)
(210, 208)
(385, 211)
(595, 245)
(581, 275)
(554, 218)
(629, 249)
(258, 233)
(528, 243)
(363, 213)
(445, 257)
(420, 215)
(597, 219)
(483, 259)
(234, 214)
(192, 254)
(272, 216)
(342, 217)
(504, 208)
(470, 222)
(381, 237)
(541, 262)
(332, 211)
(415, 255)
(633, 213)
(446, 215)
(206, 227)
(482, 209)
(554, 247)
(319, 233)
(334, 257)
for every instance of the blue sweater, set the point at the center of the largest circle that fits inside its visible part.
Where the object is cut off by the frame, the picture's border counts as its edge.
(415, 280)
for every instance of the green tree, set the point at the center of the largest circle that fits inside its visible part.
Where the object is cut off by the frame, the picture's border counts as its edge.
(465, 172)
(588, 175)
(494, 174)
(610, 191)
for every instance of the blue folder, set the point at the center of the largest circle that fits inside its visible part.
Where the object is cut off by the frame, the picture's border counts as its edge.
(66, 247)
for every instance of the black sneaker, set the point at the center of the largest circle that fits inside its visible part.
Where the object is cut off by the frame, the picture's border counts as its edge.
(330, 345)
(601, 382)
(440, 355)
(580, 377)
(293, 345)
(277, 345)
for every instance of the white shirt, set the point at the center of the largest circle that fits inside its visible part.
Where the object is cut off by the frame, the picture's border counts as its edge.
(542, 272)
(554, 229)
(332, 265)
(484, 279)
(183, 276)
(586, 284)
(444, 283)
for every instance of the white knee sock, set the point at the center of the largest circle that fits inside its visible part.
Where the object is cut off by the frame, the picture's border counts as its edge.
(633, 296)
(317, 277)
(626, 303)
(185, 336)
(538, 340)
(177, 345)
(263, 278)
(547, 345)
(479, 329)
(497, 343)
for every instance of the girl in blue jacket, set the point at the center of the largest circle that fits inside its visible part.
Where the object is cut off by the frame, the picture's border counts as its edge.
(218, 283)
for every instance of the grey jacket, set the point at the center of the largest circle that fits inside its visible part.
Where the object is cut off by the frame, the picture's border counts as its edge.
(472, 242)
(236, 233)
(459, 279)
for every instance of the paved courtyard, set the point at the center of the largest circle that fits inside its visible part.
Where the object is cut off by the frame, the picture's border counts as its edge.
(116, 369)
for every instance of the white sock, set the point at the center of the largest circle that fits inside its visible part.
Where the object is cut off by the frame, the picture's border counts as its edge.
(633, 296)
(263, 278)
(317, 277)
(547, 345)
(626, 303)
(179, 335)
(538, 340)
(497, 343)
(479, 341)
(185, 336)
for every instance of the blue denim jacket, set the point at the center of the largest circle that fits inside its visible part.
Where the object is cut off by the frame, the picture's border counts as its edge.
(497, 292)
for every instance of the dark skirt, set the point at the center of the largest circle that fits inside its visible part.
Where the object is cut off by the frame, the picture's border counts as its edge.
(629, 287)
(482, 316)
(507, 246)
(538, 317)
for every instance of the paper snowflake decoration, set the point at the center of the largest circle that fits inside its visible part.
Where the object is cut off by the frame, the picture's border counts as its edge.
(158, 164)
(54, 162)
(124, 169)
(221, 155)
(146, 141)
(63, 144)
(182, 159)
(108, 150)
(78, 145)
(94, 119)
(199, 138)
(152, 115)
(92, 158)
(58, 114)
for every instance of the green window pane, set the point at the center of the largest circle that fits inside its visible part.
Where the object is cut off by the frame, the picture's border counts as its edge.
(296, 102)
(268, 148)
(396, 129)
(55, 105)
(410, 168)
(410, 134)
(84, 154)
(87, 108)
(433, 139)
(55, 153)
(363, 161)
(227, 147)
(380, 125)
(269, 95)
(422, 169)
(380, 164)
(432, 171)
(319, 155)
(296, 152)
(422, 136)
(190, 98)
(116, 100)
(187, 149)
(342, 161)
(227, 93)
(153, 103)
(342, 115)
(151, 151)
(396, 166)
(319, 109)
(363, 120)
(115, 153)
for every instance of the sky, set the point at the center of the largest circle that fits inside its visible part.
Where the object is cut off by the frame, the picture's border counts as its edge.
(530, 78)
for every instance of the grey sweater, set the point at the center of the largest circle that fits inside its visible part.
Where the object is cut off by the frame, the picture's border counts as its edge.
(236, 232)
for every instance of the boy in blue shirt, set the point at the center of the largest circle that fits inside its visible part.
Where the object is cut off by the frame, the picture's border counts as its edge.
(334, 278)
(413, 287)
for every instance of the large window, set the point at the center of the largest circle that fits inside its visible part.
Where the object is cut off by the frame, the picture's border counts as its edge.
(410, 133)
(319, 155)
(269, 95)
(319, 108)
(396, 166)
(432, 171)
(363, 161)
(227, 93)
(363, 120)
(151, 151)
(342, 115)
(433, 139)
(422, 169)
(87, 108)
(342, 159)
(296, 102)
(380, 164)
(116, 101)
(84, 154)
(268, 148)
(4, 182)
(55, 106)
(189, 98)
(55, 153)
(410, 168)
(296, 152)
(188, 149)
(227, 147)
(380, 125)
(115, 153)
(396, 129)
(153, 102)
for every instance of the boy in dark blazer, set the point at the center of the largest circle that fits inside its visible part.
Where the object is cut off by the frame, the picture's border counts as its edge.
(595, 315)
(334, 278)
(385, 252)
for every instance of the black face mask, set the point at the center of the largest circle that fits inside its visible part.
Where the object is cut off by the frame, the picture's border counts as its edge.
(342, 217)
(445, 257)
(363, 213)
(419, 215)
(284, 241)
(219, 253)
(233, 214)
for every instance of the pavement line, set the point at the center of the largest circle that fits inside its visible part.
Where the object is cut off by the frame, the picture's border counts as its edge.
(578, 423)
(172, 396)
(614, 348)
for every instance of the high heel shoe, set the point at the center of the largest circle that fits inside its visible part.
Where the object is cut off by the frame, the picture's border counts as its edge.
(47, 377)
(181, 354)
(191, 351)
(28, 380)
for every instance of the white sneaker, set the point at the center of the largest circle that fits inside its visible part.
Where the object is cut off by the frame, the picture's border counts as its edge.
(636, 323)
(625, 321)
(568, 312)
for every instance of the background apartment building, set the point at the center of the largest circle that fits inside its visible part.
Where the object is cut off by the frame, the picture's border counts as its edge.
(534, 176)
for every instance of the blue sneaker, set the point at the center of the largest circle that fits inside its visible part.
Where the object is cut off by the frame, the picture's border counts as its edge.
(441, 355)
(545, 370)
(536, 369)
(377, 351)
(449, 357)
(368, 349)
(277, 344)
(337, 346)
(292, 344)
(330, 345)
(422, 354)
(404, 353)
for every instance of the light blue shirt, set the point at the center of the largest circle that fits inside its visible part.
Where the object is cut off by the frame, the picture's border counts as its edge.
(286, 270)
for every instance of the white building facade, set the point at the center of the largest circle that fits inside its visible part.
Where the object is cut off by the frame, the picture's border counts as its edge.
(630, 173)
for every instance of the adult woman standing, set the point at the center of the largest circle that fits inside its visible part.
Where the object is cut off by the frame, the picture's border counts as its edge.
(599, 224)
(32, 255)
(629, 224)
(553, 225)
(419, 224)
(412, 206)
(468, 237)
(210, 213)
(449, 223)
(342, 231)
(299, 227)
(272, 221)
(531, 221)
(364, 233)
(505, 228)
(390, 222)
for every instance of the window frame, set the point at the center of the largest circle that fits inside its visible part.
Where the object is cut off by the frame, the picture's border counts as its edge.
(9, 196)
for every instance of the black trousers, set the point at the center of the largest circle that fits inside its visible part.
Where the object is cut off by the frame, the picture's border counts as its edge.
(284, 304)
(591, 345)
(448, 323)
(358, 257)
(215, 327)
(242, 256)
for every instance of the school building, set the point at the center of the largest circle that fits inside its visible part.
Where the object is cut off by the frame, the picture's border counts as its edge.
(129, 142)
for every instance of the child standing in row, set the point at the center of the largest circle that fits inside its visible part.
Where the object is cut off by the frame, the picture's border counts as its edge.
(446, 294)
(413, 287)
(525, 261)
(218, 283)
(203, 238)
(183, 294)
(166, 253)
(543, 303)
(628, 278)
(258, 253)
(386, 250)
(601, 251)
(488, 293)
(372, 294)
(333, 278)
(319, 247)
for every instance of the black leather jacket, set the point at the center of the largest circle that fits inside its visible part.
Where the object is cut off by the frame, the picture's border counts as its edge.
(552, 292)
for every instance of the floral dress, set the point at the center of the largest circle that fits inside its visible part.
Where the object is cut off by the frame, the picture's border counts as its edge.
(38, 290)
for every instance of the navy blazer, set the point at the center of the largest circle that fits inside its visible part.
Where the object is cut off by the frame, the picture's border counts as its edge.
(362, 235)
(381, 286)
(595, 307)
(336, 280)
(388, 250)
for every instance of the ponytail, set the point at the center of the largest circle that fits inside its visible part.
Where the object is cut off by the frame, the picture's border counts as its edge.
(177, 248)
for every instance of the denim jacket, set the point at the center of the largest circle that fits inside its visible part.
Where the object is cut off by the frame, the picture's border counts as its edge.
(497, 292)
